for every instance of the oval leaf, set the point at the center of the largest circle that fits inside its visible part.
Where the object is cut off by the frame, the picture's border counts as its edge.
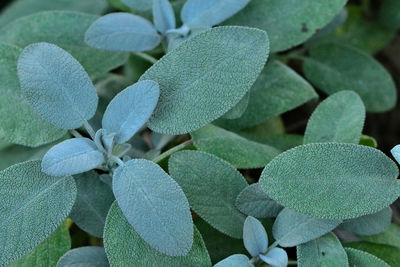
(361, 258)
(155, 206)
(130, 110)
(199, 174)
(237, 260)
(122, 32)
(125, 247)
(72, 156)
(56, 85)
(84, 256)
(340, 181)
(190, 77)
(292, 228)
(163, 15)
(25, 191)
(276, 257)
(339, 118)
(255, 237)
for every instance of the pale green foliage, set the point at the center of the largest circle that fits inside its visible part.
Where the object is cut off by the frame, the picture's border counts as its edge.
(255, 237)
(84, 256)
(237, 260)
(390, 237)
(189, 76)
(324, 251)
(363, 259)
(339, 118)
(341, 181)
(210, 174)
(389, 254)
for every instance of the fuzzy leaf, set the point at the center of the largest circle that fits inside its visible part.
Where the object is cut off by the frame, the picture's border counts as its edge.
(277, 90)
(291, 228)
(155, 206)
(276, 257)
(139, 5)
(390, 237)
(84, 256)
(389, 254)
(330, 68)
(207, 13)
(255, 237)
(66, 30)
(92, 203)
(56, 85)
(324, 251)
(361, 258)
(190, 77)
(73, 156)
(200, 173)
(302, 19)
(26, 190)
(31, 129)
(163, 15)
(238, 110)
(396, 153)
(253, 201)
(341, 181)
(125, 247)
(237, 150)
(49, 251)
(370, 224)
(339, 118)
(237, 260)
(122, 32)
(130, 110)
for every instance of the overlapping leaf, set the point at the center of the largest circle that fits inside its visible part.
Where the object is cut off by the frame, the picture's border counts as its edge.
(363, 259)
(84, 256)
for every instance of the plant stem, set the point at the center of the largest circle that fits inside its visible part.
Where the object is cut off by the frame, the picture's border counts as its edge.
(290, 262)
(146, 57)
(172, 150)
(75, 133)
(89, 129)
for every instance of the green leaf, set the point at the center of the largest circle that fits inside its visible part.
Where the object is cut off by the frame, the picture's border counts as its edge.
(66, 30)
(84, 256)
(253, 201)
(339, 118)
(56, 85)
(237, 260)
(92, 203)
(200, 173)
(21, 8)
(324, 251)
(124, 246)
(341, 181)
(276, 257)
(370, 224)
(390, 237)
(49, 251)
(238, 151)
(291, 228)
(366, 140)
(140, 5)
(255, 237)
(26, 190)
(389, 14)
(301, 19)
(238, 110)
(155, 206)
(196, 78)
(389, 254)
(331, 69)
(361, 258)
(31, 130)
(277, 90)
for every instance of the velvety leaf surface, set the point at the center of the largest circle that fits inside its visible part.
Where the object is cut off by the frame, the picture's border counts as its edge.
(331, 69)
(237, 260)
(277, 90)
(255, 237)
(361, 258)
(49, 251)
(339, 118)
(370, 224)
(292, 228)
(66, 30)
(276, 257)
(237, 150)
(72, 156)
(122, 32)
(84, 256)
(155, 206)
(195, 79)
(20, 8)
(390, 237)
(140, 5)
(389, 254)
(200, 173)
(26, 191)
(324, 251)
(163, 15)
(125, 247)
(56, 85)
(19, 123)
(238, 110)
(92, 203)
(341, 181)
(302, 19)
(253, 201)
(207, 13)
(130, 110)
